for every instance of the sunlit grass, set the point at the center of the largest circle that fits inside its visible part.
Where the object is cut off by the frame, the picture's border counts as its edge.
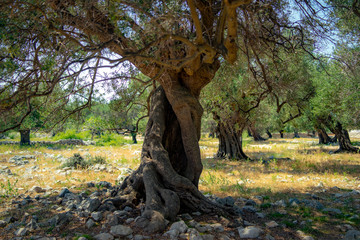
(309, 166)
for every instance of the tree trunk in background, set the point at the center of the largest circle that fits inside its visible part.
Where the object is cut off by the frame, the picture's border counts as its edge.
(257, 137)
(168, 176)
(281, 133)
(341, 135)
(25, 137)
(323, 136)
(268, 133)
(230, 142)
(296, 134)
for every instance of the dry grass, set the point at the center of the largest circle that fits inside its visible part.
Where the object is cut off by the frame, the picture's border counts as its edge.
(310, 166)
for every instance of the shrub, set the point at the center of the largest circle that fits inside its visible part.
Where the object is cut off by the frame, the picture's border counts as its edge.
(77, 161)
(72, 134)
(112, 140)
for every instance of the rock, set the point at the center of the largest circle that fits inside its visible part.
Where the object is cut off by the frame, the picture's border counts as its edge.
(171, 234)
(104, 236)
(21, 160)
(60, 219)
(250, 209)
(63, 192)
(269, 237)
(3, 223)
(250, 202)
(104, 184)
(352, 235)
(280, 203)
(313, 204)
(303, 236)
(186, 216)
(90, 204)
(89, 223)
(196, 213)
(32, 225)
(112, 220)
(140, 237)
(208, 237)
(249, 232)
(120, 231)
(37, 189)
(217, 227)
(227, 201)
(332, 211)
(97, 216)
(180, 226)
(271, 224)
(21, 232)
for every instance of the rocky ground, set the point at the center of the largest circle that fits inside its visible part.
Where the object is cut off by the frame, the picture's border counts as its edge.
(80, 211)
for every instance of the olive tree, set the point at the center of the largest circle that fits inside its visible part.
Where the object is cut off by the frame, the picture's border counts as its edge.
(179, 45)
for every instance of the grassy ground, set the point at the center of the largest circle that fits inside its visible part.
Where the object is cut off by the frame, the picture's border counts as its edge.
(298, 168)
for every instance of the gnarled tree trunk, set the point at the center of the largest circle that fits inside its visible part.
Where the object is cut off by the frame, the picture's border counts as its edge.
(268, 133)
(324, 137)
(24, 137)
(170, 168)
(255, 134)
(343, 138)
(230, 141)
(341, 135)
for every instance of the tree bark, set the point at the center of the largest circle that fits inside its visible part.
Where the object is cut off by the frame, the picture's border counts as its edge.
(341, 135)
(281, 133)
(230, 142)
(168, 176)
(255, 134)
(24, 137)
(343, 138)
(268, 133)
(323, 136)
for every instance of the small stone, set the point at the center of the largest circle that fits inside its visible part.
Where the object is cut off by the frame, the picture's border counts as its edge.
(21, 232)
(186, 216)
(269, 237)
(171, 234)
(180, 226)
(89, 223)
(139, 237)
(129, 220)
(104, 236)
(280, 203)
(282, 211)
(97, 216)
(249, 232)
(208, 237)
(271, 224)
(3, 223)
(352, 235)
(120, 231)
(82, 238)
(63, 192)
(332, 211)
(196, 213)
(112, 220)
(37, 189)
(217, 227)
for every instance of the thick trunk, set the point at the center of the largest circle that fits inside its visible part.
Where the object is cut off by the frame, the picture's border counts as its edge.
(342, 137)
(268, 133)
(230, 142)
(323, 136)
(25, 137)
(255, 134)
(281, 133)
(168, 176)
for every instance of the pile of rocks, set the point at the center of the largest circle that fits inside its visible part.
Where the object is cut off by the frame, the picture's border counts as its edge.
(95, 215)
